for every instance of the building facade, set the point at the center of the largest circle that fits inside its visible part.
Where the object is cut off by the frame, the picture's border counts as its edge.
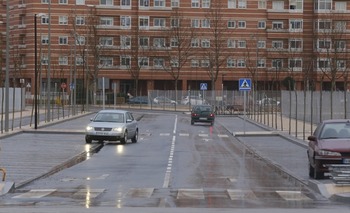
(142, 45)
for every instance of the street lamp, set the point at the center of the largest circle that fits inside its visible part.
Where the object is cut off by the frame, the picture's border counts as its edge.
(36, 70)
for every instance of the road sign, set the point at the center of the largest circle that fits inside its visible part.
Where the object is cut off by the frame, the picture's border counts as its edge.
(245, 84)
(204, 86)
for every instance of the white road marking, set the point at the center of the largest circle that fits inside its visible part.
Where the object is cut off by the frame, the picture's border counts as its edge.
(203, 135)
(236, 194)
(184, 134)
(293, 195)
(190, 194)
(140, 192)
(223, 136)
(36, 193)
(164, 134)
(88, 193)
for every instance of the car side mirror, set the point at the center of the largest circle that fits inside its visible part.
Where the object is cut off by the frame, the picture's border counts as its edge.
(128, 120)
(311, 138)
(91, 119)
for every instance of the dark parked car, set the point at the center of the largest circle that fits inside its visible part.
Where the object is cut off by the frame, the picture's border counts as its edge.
(202, 113)
(138, 100)
(329, 144)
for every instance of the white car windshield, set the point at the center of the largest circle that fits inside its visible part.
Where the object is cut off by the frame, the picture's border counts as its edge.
(109, 117)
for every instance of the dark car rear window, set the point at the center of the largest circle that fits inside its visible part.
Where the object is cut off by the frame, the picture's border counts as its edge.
(202, 109)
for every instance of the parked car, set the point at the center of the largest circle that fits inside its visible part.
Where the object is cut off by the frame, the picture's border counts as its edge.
(163, 100)
(112, 125)
(138, 100)
(202, 113)
(268, 102)
(193, 100)
(329, 144)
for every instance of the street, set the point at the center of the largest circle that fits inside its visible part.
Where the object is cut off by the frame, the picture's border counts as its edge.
(174, 164)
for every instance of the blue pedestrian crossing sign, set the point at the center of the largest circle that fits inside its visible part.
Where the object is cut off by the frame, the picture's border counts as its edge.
(204, 86)
(245, 84)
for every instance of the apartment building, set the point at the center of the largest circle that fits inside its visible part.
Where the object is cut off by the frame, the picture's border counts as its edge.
(142, 45)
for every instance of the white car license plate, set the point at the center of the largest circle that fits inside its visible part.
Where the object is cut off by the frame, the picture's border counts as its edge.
(101, 133)
(346, 161)
(203, 119)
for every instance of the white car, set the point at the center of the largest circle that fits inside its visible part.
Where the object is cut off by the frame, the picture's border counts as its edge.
(163, 100)
(193, 100)
(268, 102)
(112, 125)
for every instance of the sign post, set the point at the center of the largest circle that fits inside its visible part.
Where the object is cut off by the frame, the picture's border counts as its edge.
(245, 85)
(203, 86)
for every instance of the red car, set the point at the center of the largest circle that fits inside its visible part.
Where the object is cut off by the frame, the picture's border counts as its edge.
(329, 144)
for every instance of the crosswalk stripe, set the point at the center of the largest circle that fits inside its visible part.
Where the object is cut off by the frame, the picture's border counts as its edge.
(140, 192)
(293, 195)
(236, 194)
(184, 134)
(190, 194)
(35, 193)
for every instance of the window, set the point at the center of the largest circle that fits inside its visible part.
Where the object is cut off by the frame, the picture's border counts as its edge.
(231, 24)
(231, 43)
(144, 22)
(295, 5)
(159, 42)
(277, 63)
(174, 42)
(277, 44)
(295, 44)
(158, 62)
(106, 21)
(194, 63)
(205, 3)
(241, 24)
(45, 19)
(261, 24)
(106, 2)
(295, 64)
(125, 22)
(341, 64)
(296, 25)
(80, 2)
(79, 60)
(106, 61)
(106, 41)
(125, 3)
(323, 4)
(340, 6)
(205, 23)
(44, 1)
(80, 20)
(144, 3)
(159, 22)
(44, 59)
(175, 3)
(340, 45)
(241, 44)
(261, 63)
(195, 23)
(340, 26)
(242, 4)
(63, 2)
(125, 61)
(63, 20)
(80, 40)
(195, 3)
(278, 5)
(159, 3)
(144, 42)
(195, 42)
(175, 22)
(205, 43)
(323, 63)
(277, 25)
(143, 61)
(230, 62)
(262, 4)
(63, 60)
(125, 42)
(261, 44)
(44, 39)
(63, 40)
(241, 63)
(323, 25)
(324, 43)
(205, 63)
(174, 62)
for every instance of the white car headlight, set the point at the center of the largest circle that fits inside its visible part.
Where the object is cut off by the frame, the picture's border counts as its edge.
(328, 153)
(89, 128)
(118, 129)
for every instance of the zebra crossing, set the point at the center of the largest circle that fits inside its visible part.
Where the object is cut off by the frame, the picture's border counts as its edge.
(181, 194)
